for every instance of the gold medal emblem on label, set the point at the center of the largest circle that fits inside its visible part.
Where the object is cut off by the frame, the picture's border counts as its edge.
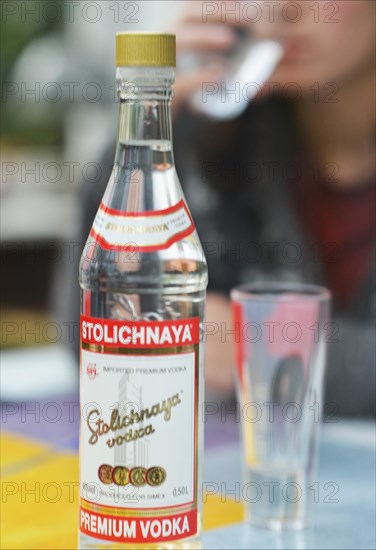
(137, 476)
(120, 475)
(155, 476)
(105, 474)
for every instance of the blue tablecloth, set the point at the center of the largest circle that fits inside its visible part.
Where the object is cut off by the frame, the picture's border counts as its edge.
(347, 459)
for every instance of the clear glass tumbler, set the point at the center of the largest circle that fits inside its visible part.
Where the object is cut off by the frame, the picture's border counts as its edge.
(280, 342)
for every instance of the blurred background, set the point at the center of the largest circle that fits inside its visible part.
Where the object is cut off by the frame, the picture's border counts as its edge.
(59, 112)
(59, 124)
(283, 191)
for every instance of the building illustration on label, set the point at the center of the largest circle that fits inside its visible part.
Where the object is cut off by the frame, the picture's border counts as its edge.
(136, 451)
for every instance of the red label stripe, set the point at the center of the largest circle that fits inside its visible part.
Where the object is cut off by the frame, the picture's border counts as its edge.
(133, 246)
(138, 529)
(140, 334)
(165, 211)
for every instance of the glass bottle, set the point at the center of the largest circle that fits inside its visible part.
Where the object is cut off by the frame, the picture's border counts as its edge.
(143, 281)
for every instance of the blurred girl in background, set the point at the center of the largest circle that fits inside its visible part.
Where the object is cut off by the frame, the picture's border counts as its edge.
(287, 190)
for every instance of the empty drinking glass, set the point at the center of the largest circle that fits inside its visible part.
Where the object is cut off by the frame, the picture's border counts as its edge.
(280, 332)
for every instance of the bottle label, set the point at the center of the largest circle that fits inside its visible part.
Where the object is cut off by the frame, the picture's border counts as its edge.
(138, 441)
(141, 232)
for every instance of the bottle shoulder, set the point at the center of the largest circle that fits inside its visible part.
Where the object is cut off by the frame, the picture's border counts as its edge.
(182, 266)
(143, 234)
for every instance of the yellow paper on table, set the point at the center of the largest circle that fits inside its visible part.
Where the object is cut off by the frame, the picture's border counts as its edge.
(40, 494)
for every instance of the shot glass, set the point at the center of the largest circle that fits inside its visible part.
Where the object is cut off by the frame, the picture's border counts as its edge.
(280, 347)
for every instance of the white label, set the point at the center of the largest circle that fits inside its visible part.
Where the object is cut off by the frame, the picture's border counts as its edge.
(145, 231)
(119, 389)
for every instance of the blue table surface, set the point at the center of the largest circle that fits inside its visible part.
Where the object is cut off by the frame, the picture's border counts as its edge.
(346, 458)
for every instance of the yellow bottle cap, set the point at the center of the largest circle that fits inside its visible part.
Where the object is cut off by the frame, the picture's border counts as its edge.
(145, 49)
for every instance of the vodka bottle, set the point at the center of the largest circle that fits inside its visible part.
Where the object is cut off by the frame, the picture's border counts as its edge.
(143, 280)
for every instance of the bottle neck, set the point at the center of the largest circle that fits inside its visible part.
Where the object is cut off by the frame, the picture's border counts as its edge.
(145, 95)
